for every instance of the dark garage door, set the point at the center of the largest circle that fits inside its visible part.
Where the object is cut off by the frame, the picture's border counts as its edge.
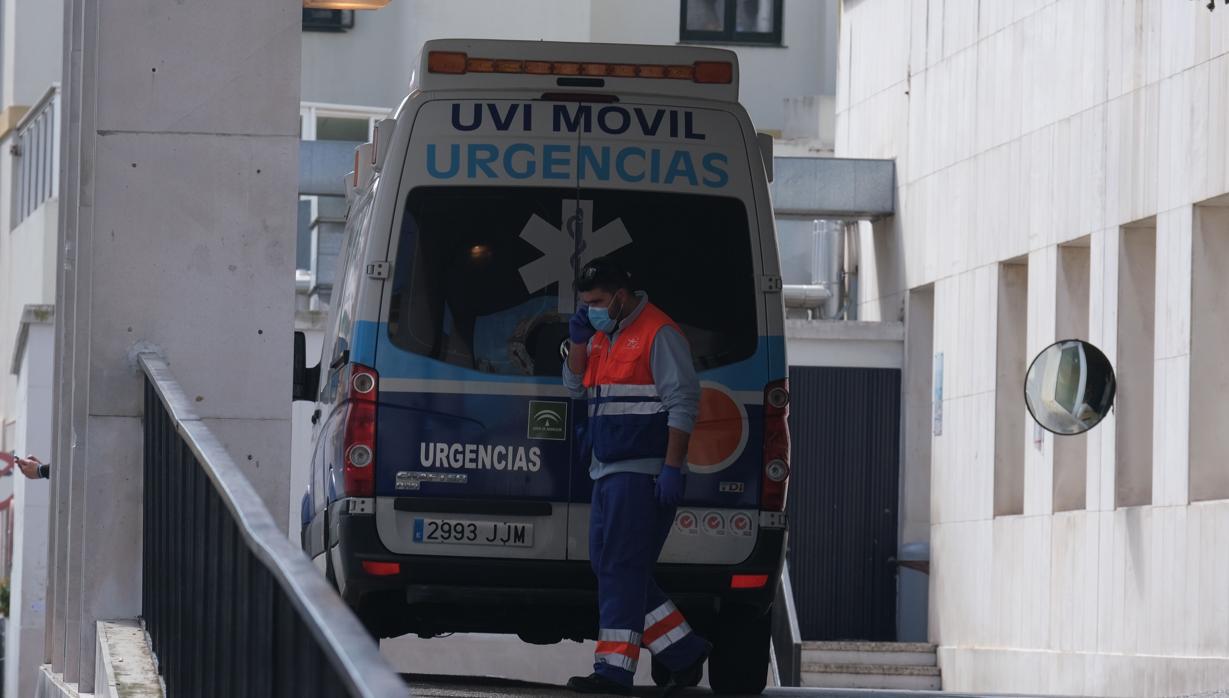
(845, 426)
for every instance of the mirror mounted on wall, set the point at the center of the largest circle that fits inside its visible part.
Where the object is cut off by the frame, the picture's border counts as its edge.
(1070, 387)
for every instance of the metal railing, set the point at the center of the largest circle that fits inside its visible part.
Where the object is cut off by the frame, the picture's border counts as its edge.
(36, 156)
(786, 637)
(231, 607)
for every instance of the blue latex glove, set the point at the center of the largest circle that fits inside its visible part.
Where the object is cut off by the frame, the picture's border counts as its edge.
(670, 486)
(580, 330)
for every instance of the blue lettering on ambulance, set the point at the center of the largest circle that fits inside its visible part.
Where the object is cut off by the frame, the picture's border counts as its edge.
(554, 156)
(596, 159)
(689, 128)
(714, 164)
(473, 124)
(501, 120)
(559, 161)
(564, 119)
(481, 155)
(454, 149)
(531, 165)
(614, 126)
(646, 127)
(506, 122)
(621, 164)
(681, 166)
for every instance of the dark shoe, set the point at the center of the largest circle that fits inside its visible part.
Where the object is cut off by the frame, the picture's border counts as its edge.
(596, 683)
(688, 676)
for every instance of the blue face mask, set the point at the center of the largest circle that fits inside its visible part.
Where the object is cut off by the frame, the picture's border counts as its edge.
(601, 320)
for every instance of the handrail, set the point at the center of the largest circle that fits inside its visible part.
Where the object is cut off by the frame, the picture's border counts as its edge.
(340, 641)
(52, 91)
(786, 635)
(36, 156)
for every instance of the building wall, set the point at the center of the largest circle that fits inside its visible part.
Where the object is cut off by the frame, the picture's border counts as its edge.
(27, 277)
(27, 595)
(370, 65)
(1023, 131)
(804, 66)
(32, 31)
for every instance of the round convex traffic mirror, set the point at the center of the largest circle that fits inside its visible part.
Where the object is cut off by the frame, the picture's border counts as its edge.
(1070, 387)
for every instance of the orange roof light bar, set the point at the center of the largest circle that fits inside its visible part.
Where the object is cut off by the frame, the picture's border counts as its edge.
(714, 72)
(344, 4)
(458, 63)
(449, 62)
(480, 65)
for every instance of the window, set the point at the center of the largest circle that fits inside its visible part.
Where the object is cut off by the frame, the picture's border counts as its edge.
(734, 21)
(1010, 427)
(336, 128)
(328, 20)
(1136, 364)
(1209, 410)
(320, 121)
(458, 295)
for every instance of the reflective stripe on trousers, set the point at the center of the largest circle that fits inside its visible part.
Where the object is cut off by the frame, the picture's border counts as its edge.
(618, 648)
(663, 627)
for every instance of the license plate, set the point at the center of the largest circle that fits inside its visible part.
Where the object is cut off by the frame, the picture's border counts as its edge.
(459, 532)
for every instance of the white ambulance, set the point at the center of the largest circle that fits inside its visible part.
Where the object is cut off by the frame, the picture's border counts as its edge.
(450, 488)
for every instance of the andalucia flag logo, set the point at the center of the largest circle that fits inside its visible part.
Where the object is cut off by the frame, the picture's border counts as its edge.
(548, 420)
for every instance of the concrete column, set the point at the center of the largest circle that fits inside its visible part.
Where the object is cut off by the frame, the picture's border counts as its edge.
(179, 236)
(1039, 452)
(1171, 423)
(61, 484)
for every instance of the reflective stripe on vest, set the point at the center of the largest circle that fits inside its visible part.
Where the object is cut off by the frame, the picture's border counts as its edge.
(627, 418)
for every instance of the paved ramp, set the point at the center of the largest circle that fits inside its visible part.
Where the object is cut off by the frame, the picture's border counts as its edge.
(467, 687)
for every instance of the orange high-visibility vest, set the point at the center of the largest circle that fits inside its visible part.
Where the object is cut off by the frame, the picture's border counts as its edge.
(626, 417)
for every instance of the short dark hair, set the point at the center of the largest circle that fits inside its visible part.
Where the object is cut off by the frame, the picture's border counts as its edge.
(605, 274)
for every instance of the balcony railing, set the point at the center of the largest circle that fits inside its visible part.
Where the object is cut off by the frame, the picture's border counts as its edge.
(231, 607)
(36, 156)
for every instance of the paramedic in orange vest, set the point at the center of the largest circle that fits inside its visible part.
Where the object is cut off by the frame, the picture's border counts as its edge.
(634, 365)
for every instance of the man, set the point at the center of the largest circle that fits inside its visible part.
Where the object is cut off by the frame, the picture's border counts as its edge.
(635, 366)
(30, 466)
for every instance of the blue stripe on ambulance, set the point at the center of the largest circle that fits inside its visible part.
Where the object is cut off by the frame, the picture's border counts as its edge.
(413, 427)
(371, 339)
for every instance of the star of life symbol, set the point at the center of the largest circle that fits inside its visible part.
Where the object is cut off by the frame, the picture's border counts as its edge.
(558, 247)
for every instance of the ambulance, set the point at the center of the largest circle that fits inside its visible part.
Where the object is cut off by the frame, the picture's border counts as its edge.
(449, 489)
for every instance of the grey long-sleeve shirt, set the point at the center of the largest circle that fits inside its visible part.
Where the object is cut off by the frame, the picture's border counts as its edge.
(675, 378)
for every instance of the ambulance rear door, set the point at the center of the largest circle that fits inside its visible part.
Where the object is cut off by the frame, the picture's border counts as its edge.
(667, 191)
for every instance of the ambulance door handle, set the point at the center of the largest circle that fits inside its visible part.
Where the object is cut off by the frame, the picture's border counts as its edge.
(316, 416)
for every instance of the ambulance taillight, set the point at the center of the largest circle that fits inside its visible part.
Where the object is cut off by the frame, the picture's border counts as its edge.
(775, 482)
(359, 447)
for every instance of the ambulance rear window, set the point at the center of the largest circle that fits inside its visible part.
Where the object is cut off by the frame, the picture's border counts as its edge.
(480, 270)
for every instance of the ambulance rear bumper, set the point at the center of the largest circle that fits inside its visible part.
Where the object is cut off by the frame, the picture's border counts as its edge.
(437, 594)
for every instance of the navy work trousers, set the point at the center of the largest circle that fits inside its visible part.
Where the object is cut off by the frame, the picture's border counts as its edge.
(627, 529)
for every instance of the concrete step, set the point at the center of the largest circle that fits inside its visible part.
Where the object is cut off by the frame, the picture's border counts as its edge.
(891, 653)
(882, 676)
